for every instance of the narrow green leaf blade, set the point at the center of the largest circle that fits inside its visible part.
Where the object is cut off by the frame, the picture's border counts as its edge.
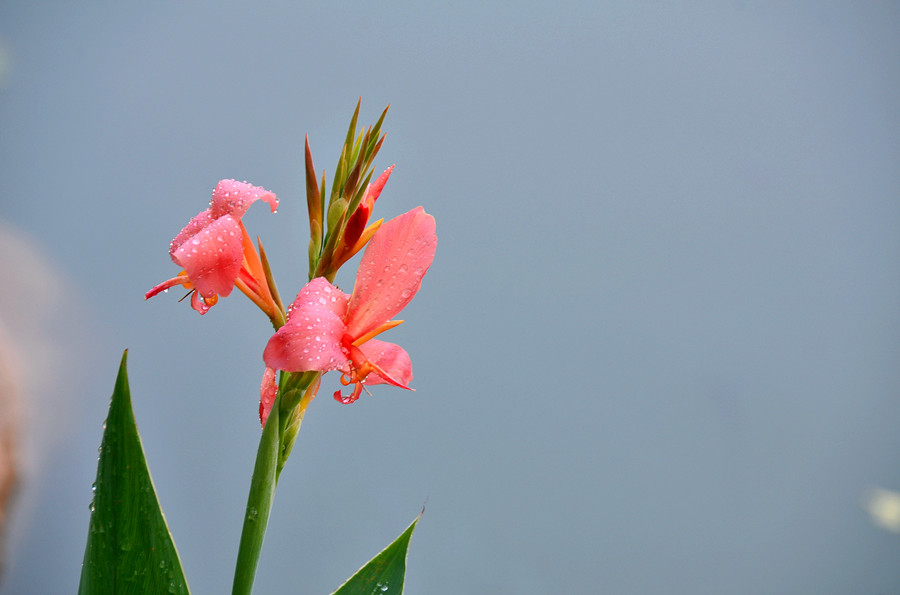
(129, 548)
(384, 573)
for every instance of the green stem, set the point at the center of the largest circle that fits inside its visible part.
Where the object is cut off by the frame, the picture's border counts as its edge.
(259, 503)
(275, 446)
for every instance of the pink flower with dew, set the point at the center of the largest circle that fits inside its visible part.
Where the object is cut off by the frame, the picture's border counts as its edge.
(328, 330)
(217, 254)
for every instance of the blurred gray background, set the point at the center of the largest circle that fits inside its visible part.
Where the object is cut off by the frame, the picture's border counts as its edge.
(657, 351)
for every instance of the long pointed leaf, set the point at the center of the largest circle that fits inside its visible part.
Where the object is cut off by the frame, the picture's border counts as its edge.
(384, 574)
(129, 547)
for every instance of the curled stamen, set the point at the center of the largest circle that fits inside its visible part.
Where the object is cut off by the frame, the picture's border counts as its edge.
(357, 390)
(179, 279)
(202, 304)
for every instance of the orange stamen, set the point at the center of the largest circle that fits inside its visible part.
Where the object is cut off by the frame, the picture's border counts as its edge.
(377, 331)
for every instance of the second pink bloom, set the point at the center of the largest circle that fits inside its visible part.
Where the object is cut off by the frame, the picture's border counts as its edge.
(328, 330)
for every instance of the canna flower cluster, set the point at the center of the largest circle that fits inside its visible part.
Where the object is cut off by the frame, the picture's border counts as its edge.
(324, 329)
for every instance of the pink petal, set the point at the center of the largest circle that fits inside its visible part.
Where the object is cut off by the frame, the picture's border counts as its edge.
(267, 391)
(212, 257)
(391, 358)
(234, 198)
(311, 338)
(391, 270)
(374, 190)
(318, 296)
(190, 230)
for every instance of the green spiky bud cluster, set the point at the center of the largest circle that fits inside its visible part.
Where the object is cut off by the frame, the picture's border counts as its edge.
(351, 177)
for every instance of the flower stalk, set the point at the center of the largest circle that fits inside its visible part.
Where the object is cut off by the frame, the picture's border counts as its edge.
(279, 433)
(324, 329)
(259, 505)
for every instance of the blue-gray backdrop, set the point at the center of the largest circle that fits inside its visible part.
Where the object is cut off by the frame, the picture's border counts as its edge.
(658, 348)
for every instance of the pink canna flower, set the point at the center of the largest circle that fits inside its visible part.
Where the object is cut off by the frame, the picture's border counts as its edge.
(328, 330)
(217, 254)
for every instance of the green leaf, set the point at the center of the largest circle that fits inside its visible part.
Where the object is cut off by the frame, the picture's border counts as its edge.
(129, 548)
(384, 573)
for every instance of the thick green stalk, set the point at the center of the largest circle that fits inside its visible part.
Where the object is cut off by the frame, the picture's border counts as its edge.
(259, 503)
(275, 446)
